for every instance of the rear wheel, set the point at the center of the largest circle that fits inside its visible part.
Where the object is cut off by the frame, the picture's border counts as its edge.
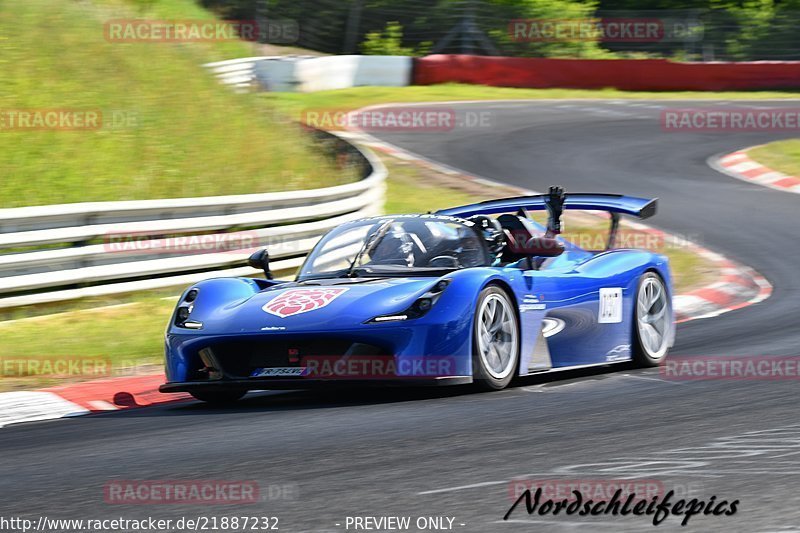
(219, 397)
(652, 320)
(495, 340)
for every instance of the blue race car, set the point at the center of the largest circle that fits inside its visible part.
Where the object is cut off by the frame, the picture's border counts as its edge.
(473, 294)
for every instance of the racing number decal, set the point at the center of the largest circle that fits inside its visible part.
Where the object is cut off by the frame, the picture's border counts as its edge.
(610, 311)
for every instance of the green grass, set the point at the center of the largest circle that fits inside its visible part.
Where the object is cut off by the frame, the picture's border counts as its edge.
(408, 193)
(349, 99)
(689, 270)
(187, 134)
(126, 336)
(783, 156)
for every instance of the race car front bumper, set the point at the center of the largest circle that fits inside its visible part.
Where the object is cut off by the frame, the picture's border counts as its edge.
(379, 355)
(298, 384)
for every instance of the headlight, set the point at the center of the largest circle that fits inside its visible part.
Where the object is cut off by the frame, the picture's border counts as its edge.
(419, 308)
(183, 315)
(185, 310)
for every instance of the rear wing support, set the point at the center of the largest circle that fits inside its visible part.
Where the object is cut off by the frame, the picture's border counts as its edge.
(612, 233)
(554, 201)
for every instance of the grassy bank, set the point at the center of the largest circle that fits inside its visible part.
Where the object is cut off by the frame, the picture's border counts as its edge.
(783, 156)
(166, 127)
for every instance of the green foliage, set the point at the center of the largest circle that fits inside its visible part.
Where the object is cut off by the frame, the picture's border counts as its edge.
(144, 6)
(546, 10)
(728, 29)
(388, 42)
(764, 29)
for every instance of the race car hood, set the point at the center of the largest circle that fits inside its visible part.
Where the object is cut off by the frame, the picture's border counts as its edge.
(298, 307)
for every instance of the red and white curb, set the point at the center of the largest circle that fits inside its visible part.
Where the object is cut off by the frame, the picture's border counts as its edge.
(83, 398)
(32, 406)
(740, 166)
(738, 286)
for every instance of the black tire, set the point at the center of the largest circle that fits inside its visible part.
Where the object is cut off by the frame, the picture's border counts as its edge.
(483, 375)
(644, 352)
(219, 397)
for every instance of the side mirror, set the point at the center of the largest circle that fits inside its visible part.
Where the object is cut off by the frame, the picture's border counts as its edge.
(260, 259)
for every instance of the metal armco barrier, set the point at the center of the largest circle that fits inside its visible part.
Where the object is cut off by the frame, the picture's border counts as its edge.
(62, 252)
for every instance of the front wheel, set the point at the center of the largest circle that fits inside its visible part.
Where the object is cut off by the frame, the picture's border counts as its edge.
(218, 397)
(652, 321)
(495, 340)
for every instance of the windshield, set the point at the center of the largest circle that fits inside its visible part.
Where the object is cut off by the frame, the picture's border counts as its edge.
(416, 245)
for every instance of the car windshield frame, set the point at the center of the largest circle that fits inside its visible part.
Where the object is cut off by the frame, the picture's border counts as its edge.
(374, 231)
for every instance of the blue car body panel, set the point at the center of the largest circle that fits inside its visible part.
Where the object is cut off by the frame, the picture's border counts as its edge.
(564, 292)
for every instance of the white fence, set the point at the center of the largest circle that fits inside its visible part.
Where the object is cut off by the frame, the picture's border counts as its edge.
(333, 72)
(309, 74)
(238, 73)
(61, 252)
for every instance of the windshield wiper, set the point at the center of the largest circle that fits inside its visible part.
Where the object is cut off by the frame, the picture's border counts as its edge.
(369, 245)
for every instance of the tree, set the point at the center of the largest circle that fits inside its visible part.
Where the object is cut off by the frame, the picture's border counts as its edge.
(388, 42)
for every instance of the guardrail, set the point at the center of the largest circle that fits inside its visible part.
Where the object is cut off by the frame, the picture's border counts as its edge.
(101, 248)
(312, 73)
(241, 74)
(238, 73)
(309, 74)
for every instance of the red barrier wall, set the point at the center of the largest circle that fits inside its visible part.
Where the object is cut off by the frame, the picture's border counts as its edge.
(625, 74)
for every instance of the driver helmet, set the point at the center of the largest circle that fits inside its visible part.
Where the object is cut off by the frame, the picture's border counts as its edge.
(395, 248)
(492, 233)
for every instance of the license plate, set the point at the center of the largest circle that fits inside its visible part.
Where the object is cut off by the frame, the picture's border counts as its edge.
(289, 371)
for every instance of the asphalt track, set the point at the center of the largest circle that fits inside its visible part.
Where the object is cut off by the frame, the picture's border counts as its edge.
(451, 452)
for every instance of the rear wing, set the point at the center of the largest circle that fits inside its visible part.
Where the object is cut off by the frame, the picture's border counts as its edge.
(614, 203)
(555, 201)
